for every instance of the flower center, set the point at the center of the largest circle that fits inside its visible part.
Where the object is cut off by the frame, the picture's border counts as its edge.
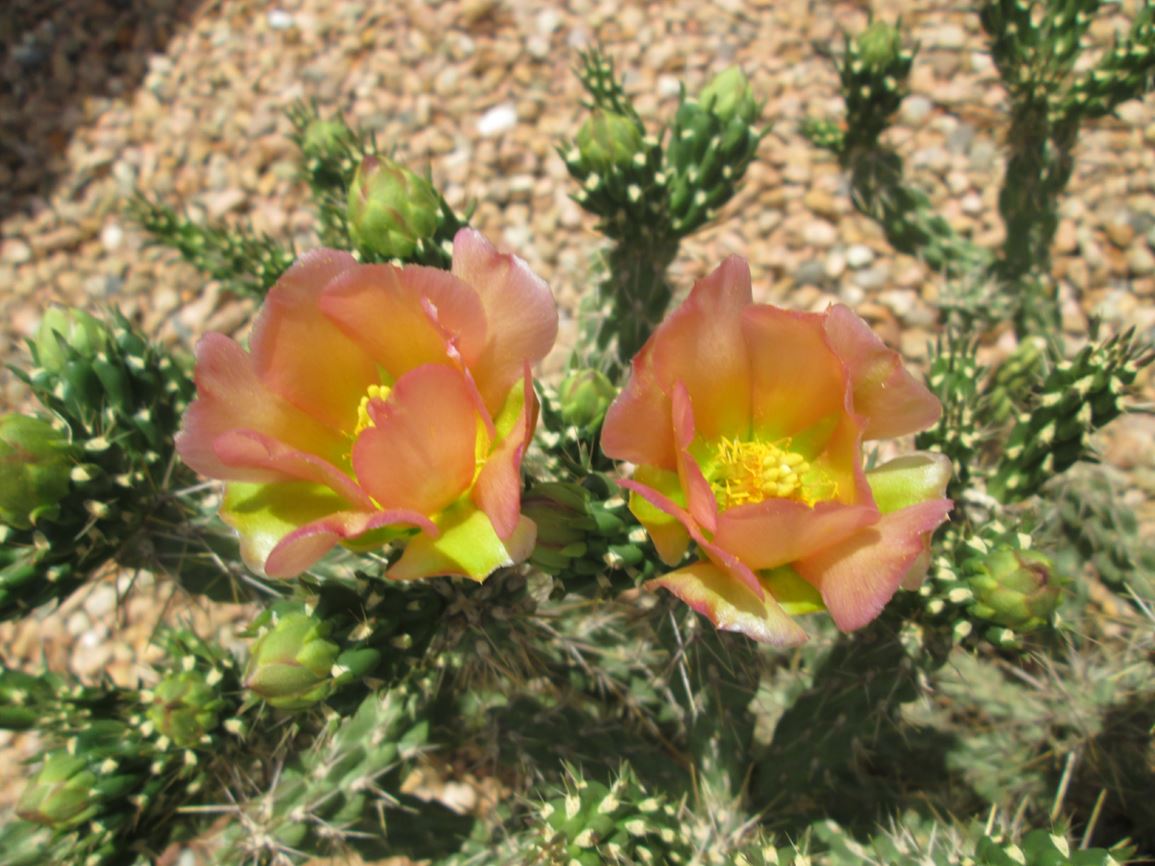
(364, 419)
(745, 473)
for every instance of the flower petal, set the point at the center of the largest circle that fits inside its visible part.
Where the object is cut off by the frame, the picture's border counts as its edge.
(910, 479)
(266, 516)
(406, 317)
(301, 355)
(700, 345)
(718, 555)
(891, 400)
(519, 309)
(729, 605)
(302, 547)
(420, 454)
(700, 497)
(633, 429)
(497, 490)
(859, 575)
(798, 382)
(252, 450)
(467, 546)
(670, 537)
(780, 531)
(231, 397)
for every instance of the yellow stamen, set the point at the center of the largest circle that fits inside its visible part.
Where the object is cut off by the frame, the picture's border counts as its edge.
(364, 419)
(748, 472)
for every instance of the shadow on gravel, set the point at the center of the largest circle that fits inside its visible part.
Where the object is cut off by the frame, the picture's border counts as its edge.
(56, 56)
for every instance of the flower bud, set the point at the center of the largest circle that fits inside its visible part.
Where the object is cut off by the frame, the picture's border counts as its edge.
(390, 208)
(34, 468)
(1013, 588)
(729, 96)
(60, 794)
(608, 140)
(585, 396)
(291, 664)
(322, 136)
(74, 328)
(879, 45)
(185, 708)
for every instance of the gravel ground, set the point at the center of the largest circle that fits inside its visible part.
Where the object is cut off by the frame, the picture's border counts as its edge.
(186, 101)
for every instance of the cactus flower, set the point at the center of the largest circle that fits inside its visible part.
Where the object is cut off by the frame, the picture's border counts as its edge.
(378, 404)
(746, 423)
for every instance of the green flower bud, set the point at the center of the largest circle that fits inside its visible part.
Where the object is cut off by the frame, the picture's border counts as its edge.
(879, 45)
(323, 136)
(1013, 588)
(607, 140)
(60, 794)
(291, 664)
(729, 96)
(72, 327)
(185, 708)
(559, 511)
(34, 469)
(585, 395)
(391, 209)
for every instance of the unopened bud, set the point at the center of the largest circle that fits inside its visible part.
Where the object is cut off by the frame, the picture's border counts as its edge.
(185, 708)
(391, 209)
(608, 140)
(75, 329)
(730, 96)
(60, 794)
(322, 137)
(34, 470)
(291, 664)
(879, 45)
(585, 396)
(1013, 588)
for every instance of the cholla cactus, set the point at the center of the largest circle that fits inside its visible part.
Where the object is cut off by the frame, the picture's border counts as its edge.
(1076, 398)
(586, 535)
(105, 463)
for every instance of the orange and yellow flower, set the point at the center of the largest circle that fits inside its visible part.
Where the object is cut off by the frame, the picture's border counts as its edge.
(746, 423)
(378, 404)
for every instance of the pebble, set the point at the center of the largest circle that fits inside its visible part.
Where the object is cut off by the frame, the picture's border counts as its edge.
(810, 273)
(1140, 261)
(1120, 232)
(835, 264)
(820, 233)
(498, 120)
(915, 110)
(859, 256)
(111, 237)
(279, 19)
